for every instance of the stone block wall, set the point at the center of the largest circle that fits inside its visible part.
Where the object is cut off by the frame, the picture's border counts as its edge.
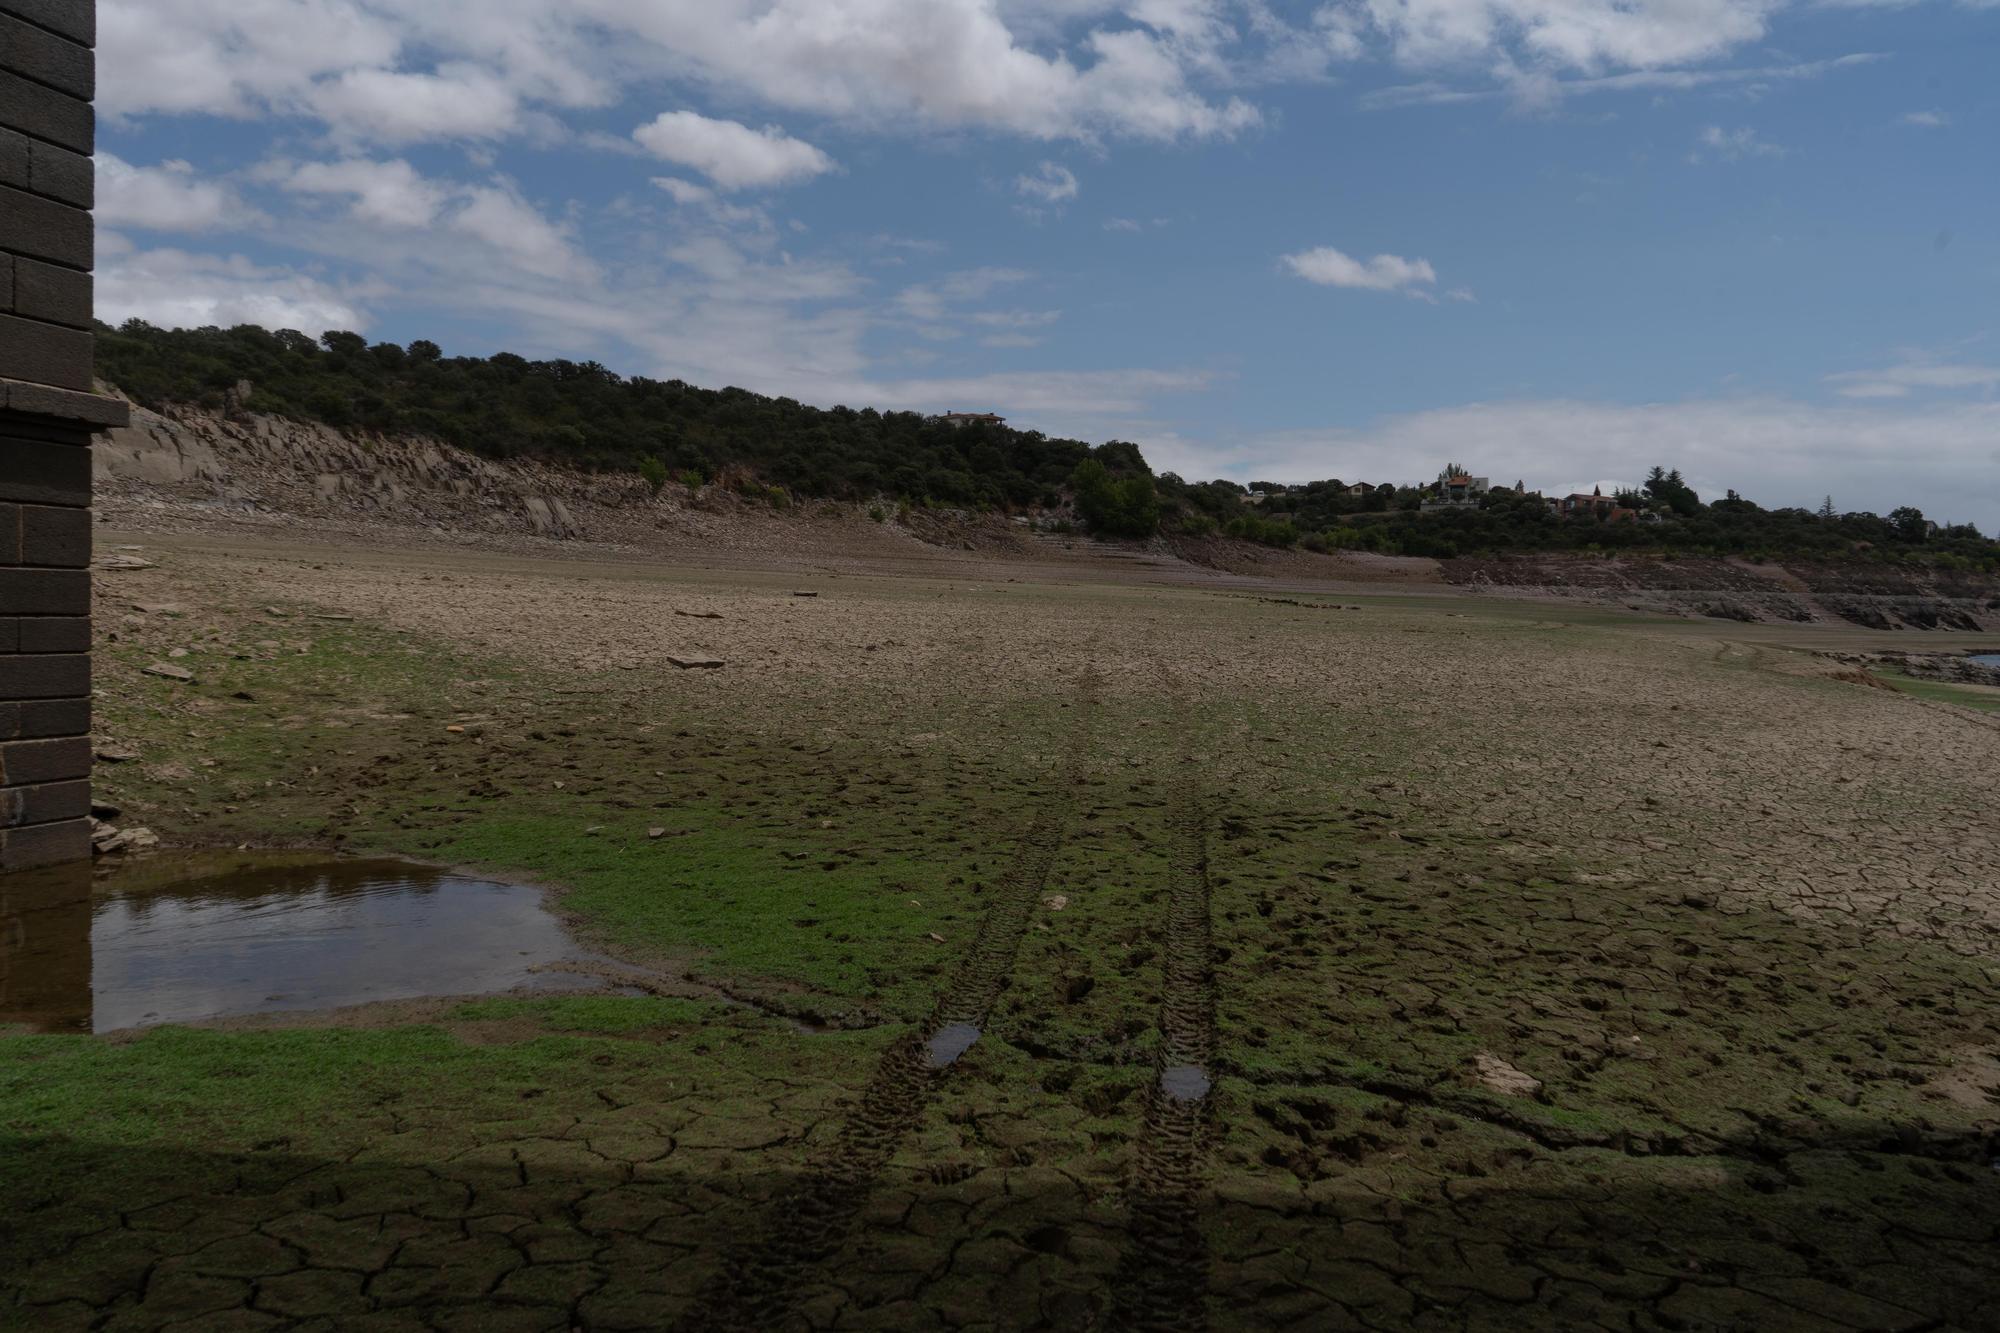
(47, 417)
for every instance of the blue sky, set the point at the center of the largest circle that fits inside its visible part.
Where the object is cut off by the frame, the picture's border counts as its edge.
(1555, 240)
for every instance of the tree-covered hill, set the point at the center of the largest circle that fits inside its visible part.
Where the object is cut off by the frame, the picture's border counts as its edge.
(505, 406)
(582, 414)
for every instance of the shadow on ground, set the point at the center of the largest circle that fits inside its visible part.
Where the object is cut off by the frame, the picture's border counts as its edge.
(546, 1234)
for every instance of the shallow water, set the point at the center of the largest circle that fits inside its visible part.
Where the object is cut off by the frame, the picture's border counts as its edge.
(949, 1042)
(1987, 659)
(189, 938)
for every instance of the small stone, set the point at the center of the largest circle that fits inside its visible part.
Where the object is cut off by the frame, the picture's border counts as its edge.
(177, 652)
(656, 833)
(113, 756)
(455, 728)
(124, 562)
(165, 672)
(805, 594)
(695, 663)
(593, 830)
(1055, 902)
(937, 938)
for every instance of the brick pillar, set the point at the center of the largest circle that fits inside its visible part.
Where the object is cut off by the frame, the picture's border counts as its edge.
(47, 417)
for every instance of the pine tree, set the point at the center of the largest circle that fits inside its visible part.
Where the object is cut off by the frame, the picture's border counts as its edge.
(1826, 509)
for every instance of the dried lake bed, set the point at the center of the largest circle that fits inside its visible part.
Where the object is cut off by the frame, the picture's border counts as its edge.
(1064, 952)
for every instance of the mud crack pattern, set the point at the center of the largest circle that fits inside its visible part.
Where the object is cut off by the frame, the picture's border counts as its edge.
(1162, 1282)
(760, 1282)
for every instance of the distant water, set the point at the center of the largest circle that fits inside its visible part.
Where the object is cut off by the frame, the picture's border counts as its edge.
(1987, 659)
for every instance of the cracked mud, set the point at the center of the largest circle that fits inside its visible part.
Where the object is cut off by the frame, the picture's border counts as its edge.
(1049, 956)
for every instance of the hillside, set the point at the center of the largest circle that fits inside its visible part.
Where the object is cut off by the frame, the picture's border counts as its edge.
(588, 419)
(191, 469)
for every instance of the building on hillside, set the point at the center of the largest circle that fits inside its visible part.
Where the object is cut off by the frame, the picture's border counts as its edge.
(1359, 488)
(970, 419)
(1451, 491)
(1595, 505)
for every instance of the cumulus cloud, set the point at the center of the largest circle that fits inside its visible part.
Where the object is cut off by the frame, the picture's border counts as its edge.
(1928, 120)
(508, 223)
(470, 67)
(457, 102)
(168, 197)
(390, 193)
(177, 289)
(732, 155)
(1584, 35)
(1329, 267)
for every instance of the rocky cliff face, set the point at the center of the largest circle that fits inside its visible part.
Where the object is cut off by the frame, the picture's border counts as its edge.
(247, 465)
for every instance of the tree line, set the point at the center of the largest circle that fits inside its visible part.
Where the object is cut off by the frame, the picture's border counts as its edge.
(586, 416)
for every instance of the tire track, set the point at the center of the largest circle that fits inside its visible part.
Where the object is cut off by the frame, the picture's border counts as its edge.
(1162, 1282)
(758, 1285)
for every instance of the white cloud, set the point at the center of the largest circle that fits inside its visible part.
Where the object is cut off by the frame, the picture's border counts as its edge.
(734, 156)
(1929, 120)
(1329, 267)
(1123, 224)
(684, 192)
(168, 197)
(1051, 182)
(390, 193)
(1583, 35)
(1913, 374)
(457, 102)
(511, 225)
(1945, 460)
(1733, 145)
(177, 289)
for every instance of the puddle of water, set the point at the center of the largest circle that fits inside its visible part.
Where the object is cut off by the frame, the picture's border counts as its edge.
(184, 939)
(1184, 1083)
(1987, 659)
(949, 1042)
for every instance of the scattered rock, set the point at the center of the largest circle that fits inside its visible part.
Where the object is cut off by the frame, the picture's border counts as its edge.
(177, 652)
(455, 728)
(99, 810)
(936, 938)
(107, 841)
(1503, 1078)
(110, 755)
(695, 663)
(699, 615)
(1055, 902)
(167, 672)
(160, 608)
(124, 562)
(656, 833)
(805, 594)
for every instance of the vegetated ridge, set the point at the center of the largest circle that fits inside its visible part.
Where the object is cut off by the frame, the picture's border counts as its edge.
(581, 419)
